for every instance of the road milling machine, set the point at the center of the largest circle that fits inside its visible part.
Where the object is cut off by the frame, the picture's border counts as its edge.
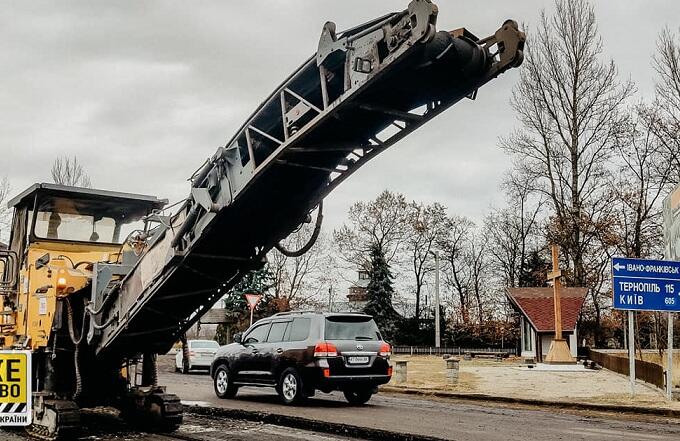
(96, 283)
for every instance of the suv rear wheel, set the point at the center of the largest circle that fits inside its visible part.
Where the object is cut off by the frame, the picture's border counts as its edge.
(224, 385)
(357, 397)
(290, 387)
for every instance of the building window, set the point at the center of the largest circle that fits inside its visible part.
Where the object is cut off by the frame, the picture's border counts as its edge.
(363, 275)
(526, 335)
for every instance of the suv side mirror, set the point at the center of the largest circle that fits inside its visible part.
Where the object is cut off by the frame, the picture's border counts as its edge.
(238, 338)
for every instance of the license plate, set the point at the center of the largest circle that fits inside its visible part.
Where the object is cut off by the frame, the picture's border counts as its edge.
(357, 360)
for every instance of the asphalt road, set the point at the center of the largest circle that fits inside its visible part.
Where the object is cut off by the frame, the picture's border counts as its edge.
(445, 419)
(102, 425)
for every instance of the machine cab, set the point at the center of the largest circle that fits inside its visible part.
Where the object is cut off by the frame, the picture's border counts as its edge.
(63, 220)
(58, 234)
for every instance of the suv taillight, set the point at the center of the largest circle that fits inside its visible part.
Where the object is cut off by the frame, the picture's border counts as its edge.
(325, 349)
(385, 350)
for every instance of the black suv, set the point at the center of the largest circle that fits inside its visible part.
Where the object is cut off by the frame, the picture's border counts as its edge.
(301, 352)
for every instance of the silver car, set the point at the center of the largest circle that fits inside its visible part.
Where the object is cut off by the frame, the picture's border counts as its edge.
(201, 354)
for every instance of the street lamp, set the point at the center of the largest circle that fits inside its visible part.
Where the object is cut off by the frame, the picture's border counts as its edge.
(437, 331)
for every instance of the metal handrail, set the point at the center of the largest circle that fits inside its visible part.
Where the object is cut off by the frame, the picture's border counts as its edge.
(10, 259)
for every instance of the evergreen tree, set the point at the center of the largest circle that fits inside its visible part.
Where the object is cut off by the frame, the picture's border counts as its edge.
(255, 282)
(379, 293)
(534, 271)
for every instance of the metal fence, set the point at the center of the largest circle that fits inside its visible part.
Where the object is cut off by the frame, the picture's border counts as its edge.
(644, 370)
(429, 350)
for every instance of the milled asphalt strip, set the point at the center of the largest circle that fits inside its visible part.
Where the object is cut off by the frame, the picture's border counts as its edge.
(639, 410)
(307, 424)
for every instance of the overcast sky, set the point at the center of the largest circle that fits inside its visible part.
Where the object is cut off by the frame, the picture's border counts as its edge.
(143, 92)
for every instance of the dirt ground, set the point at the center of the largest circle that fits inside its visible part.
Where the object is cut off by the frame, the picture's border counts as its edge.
(509, 378)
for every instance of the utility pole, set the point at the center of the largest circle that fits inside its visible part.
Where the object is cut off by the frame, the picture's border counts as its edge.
(330, 298)
(437, 330)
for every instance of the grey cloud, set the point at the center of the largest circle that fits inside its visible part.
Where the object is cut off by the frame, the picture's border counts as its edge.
(144, 91)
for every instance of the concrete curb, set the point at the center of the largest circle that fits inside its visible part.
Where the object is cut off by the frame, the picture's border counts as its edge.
(306, 424)
(640, 410)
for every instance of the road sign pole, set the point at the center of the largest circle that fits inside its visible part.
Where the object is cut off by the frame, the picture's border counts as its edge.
(251, 316)
(631, 352)
(669, 349)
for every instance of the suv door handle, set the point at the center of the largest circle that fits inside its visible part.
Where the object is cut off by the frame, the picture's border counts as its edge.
(279, 351)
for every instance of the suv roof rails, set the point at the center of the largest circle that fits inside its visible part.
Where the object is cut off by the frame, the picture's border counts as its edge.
(279, 314)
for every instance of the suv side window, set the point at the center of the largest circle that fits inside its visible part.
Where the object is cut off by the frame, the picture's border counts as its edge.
(257, 335)
(299, 329)
(277, 332)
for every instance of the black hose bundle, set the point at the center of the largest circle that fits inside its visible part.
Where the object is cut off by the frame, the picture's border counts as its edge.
(312, 240)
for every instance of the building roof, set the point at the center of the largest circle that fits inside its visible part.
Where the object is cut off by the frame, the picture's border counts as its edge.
(537, 305)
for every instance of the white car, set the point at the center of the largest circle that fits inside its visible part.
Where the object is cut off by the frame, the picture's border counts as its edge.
(201, 354)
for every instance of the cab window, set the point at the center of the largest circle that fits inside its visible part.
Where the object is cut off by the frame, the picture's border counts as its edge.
(258, 334)
(86, 220)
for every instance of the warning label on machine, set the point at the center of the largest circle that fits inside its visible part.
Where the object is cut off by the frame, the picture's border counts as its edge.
(15, 388)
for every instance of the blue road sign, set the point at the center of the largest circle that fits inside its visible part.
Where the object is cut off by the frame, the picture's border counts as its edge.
(646, 285)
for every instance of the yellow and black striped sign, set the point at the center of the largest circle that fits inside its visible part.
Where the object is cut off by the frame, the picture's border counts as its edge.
(15, 388)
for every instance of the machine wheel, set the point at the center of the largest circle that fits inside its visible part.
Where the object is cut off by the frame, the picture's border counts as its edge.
(290, 387)
(223, 383)
(356, 397)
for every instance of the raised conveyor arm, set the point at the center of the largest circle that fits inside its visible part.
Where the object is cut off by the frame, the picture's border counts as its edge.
(363, 91)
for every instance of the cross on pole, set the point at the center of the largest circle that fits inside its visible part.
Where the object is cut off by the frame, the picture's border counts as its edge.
(555, 275)
(559, 352)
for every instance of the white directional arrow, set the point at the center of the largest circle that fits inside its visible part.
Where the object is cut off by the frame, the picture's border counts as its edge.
(619, 267)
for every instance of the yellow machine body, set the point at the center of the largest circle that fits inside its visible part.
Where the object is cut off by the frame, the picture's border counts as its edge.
(39, 288)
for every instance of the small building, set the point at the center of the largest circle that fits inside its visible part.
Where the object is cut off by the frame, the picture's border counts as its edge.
(536, 308)
(357, 296)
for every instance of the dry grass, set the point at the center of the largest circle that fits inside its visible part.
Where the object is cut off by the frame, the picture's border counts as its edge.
(508, 379)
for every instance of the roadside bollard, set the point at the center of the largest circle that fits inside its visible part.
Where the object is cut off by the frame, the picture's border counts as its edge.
(400, 371)
(452, 366)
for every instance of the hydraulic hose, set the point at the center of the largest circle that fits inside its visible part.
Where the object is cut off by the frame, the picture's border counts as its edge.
(312, 240)
(76, 343)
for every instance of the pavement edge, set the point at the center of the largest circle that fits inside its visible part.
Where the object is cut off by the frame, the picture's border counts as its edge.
(640, 410)
(307, 424)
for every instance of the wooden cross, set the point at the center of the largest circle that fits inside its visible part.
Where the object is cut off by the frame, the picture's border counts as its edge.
(559, 352)
(555, 275)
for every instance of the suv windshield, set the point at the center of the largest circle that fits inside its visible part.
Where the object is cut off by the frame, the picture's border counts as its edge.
(351, 328)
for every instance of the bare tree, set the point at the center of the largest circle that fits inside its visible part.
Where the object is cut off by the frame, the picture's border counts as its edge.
(568, 102)
(4, 211)
(382, 222)
(666, 123)
(457, 272)
(513, 231)
(295, 277)
(637, 188)
(68, 171)
(428, 225)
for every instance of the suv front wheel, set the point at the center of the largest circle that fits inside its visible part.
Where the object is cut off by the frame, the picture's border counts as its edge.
(224, 385)
(357, 397)
(290, 387)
